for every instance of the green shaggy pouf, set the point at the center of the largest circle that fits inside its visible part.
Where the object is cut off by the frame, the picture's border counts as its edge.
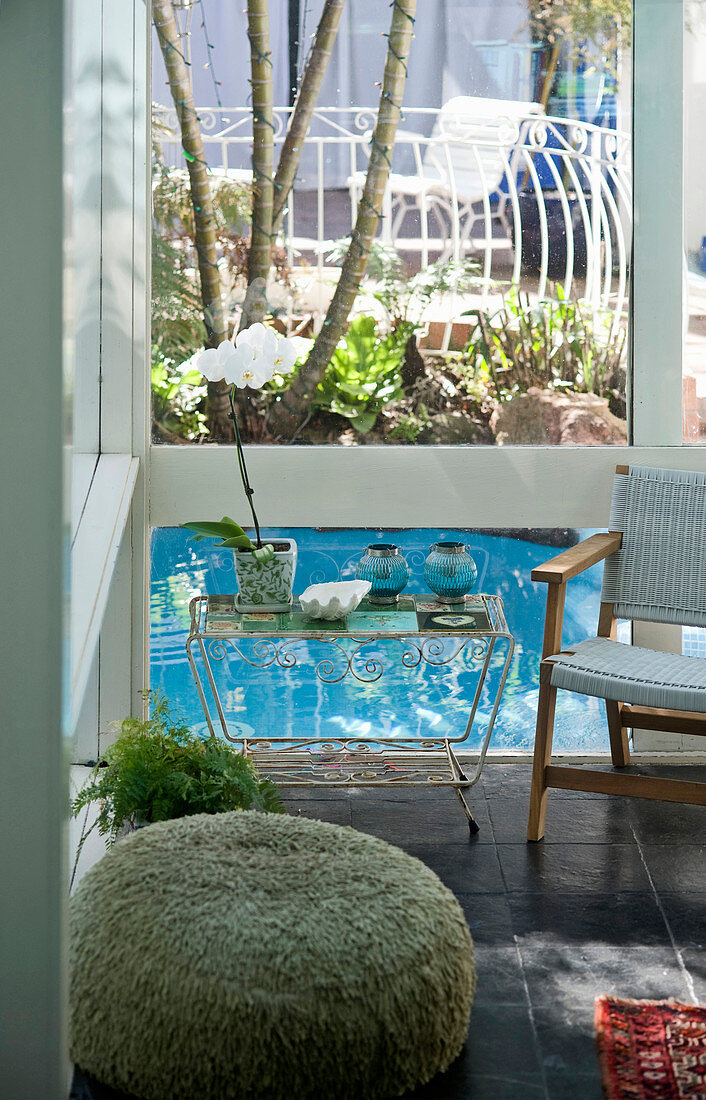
(259, 955)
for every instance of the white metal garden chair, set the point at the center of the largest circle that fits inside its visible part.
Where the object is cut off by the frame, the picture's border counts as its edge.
(655, 571)
(473, 144)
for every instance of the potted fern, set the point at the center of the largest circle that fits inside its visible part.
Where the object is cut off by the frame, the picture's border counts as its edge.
(158, 769)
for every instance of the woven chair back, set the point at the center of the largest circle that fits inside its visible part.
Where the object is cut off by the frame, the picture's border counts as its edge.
(659, 574)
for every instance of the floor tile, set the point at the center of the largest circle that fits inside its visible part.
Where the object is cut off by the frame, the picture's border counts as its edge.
(499, 1061)
(488, 917)
(667, 822)
(515, 780)
(563, 868)
(506, 780)
(499, 976)
(695, 964)
(567, 1085)
(676, 869)
(296, 792)
(87, 1088)
(573, 975)
(465, 868)
(610, 919)
(453, 1086)
(694, 772)
(335, 811)
(501, 1043)
(686, 916)
(569, 821)
(429, 792)
(566, 1040)
(422, 822)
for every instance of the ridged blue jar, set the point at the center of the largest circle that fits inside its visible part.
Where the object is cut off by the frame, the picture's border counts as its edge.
(384, 566)
(450, 571)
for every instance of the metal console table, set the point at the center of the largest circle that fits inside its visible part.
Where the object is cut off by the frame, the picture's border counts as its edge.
(426, 632)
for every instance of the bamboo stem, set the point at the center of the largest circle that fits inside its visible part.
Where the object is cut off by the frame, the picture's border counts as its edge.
(260, 255)
(201, 199)
(192, 146)
(304, 105)
(287, 415)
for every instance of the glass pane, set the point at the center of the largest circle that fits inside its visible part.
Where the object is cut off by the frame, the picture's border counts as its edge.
(493, 308)
(694, 378)
(405, 701)
(84, 254)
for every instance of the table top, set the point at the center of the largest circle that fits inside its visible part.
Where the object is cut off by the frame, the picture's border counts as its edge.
(478, 614)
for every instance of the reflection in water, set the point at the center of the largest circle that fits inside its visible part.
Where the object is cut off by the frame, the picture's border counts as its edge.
(404, 702)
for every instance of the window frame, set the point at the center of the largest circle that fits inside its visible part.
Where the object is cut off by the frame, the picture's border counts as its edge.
(110, 593)
(502, 486)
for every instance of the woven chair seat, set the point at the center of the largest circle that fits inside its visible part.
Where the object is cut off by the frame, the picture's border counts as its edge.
(629, 674)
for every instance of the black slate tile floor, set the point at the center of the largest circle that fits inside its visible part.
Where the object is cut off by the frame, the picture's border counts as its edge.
(613, 901)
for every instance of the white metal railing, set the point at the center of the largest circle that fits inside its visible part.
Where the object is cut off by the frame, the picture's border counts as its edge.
(531, 197)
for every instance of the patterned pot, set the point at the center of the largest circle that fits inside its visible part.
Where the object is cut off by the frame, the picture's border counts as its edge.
(266, 586)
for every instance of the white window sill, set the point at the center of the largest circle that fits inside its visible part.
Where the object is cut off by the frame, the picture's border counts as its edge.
(93, 555)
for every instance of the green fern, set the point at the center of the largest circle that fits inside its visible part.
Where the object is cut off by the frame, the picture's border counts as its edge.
(158, 769)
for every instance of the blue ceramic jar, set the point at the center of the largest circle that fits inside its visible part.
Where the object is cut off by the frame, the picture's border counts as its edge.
(450, 571)
(384, 566)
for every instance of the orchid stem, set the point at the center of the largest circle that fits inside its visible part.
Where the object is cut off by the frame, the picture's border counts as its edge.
(249, 491)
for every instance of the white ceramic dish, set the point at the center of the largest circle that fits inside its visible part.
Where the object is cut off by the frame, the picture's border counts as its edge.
(333, 600)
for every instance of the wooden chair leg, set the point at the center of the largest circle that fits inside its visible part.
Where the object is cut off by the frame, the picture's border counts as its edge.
(542, 757)
(619, 747)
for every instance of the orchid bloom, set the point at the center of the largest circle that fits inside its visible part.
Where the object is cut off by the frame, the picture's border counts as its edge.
(285, 356)
(261, 339)
(246, 369)
(252, 361)
(212, 362)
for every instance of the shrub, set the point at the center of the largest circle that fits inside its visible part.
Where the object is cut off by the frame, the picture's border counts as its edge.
(363, 376)
(557, 343)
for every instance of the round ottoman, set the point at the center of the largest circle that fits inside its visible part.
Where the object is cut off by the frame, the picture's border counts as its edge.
(261, 955)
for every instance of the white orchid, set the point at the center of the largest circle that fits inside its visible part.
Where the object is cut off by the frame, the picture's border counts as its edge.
(261, 339)
(251, 360)
(258, 352)
(286, 355)
(212, 362)
(244, 368)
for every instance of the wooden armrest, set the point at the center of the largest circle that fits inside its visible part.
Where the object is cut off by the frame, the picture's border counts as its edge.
(573, 561)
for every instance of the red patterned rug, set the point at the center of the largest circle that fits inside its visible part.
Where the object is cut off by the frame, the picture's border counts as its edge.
(651, 1050)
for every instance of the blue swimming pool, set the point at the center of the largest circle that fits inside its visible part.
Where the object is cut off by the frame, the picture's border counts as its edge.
(403, 703)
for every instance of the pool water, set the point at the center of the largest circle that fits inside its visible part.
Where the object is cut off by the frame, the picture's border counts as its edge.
(404, 702)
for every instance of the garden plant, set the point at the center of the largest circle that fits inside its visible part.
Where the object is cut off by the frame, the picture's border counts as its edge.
(157, 769)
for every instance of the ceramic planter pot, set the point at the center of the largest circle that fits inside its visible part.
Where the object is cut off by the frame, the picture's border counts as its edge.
(266, 586)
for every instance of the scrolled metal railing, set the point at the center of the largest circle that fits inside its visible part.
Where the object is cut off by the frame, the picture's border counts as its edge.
(536, 200)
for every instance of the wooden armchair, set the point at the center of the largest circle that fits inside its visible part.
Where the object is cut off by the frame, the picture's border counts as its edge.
(655, 571)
